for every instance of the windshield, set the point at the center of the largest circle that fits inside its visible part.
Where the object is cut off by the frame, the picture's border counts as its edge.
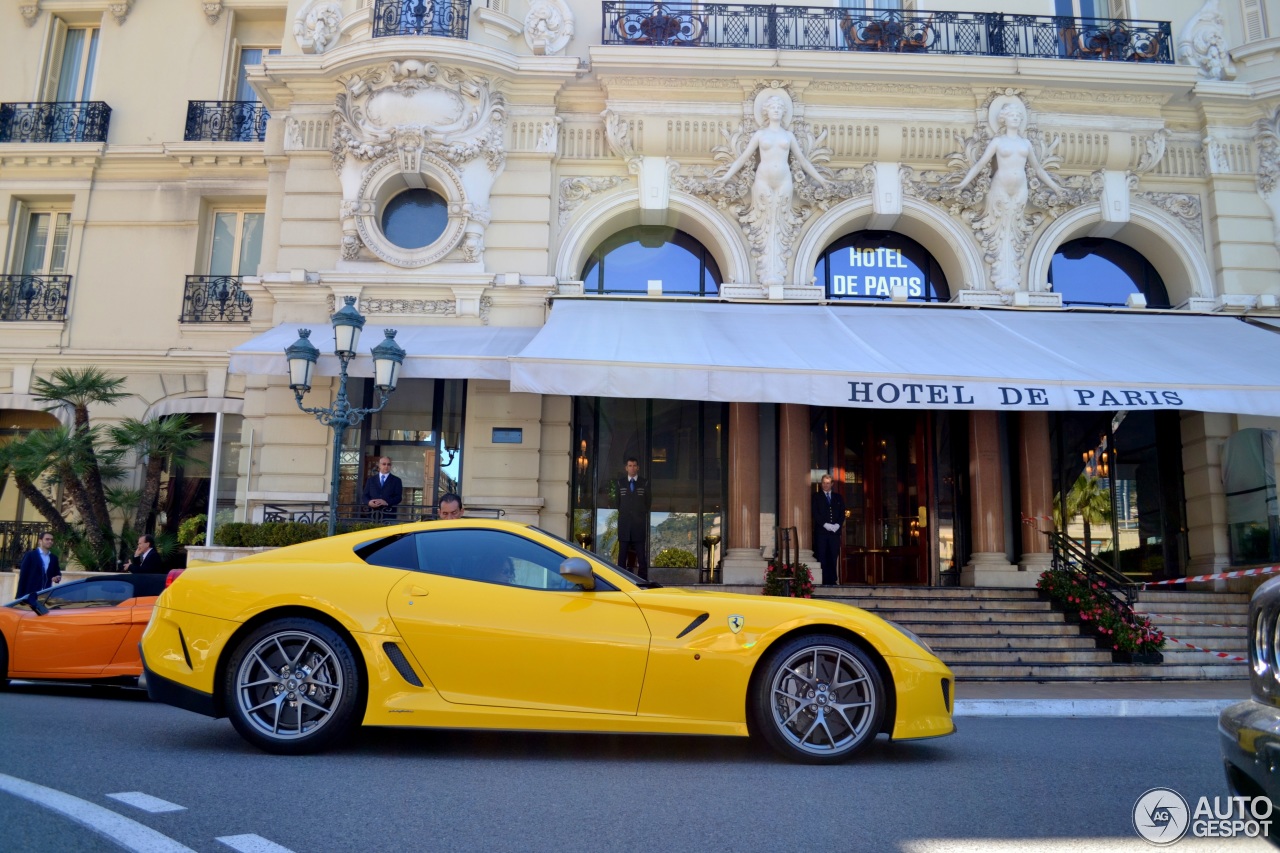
(635, 579)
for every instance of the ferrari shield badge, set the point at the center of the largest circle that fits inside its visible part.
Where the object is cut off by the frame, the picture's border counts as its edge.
(736, 623)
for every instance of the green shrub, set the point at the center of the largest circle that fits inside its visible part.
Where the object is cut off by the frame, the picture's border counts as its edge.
(278, 534)
(191, 530)
(675, 558)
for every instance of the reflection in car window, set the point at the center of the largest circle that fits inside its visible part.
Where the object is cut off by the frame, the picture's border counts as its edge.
(104, 593)
(634, 578)
(491, 556)
(394, 552)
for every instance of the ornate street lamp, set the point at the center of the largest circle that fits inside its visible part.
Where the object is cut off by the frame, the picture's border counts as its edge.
(302, 355)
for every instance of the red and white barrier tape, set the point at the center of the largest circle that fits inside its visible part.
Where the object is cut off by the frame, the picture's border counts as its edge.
(1243, 573)
(1185, 621)
(1032, 519)
(1225, 655)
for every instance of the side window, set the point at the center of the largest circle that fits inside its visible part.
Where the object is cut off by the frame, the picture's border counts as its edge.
(104, 593)
(491, 556)
(397, 552)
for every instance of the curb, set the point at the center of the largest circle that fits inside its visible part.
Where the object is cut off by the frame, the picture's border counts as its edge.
(1091, 707)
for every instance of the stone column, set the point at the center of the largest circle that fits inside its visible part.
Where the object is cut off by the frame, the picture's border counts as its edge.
(794, 487)
(1203, 435)
(743, 563)
(1035, 465)
(988, 565)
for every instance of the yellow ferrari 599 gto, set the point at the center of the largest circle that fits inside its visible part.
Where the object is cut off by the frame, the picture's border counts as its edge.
(482, 624)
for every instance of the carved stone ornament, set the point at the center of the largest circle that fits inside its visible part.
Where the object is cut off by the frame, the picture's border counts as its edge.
(575, 191)
(30, 12)
(120, 10)
(415, 123)
(212, 11)
(767, 200)
(549, 139)
(1203, 43)
(548, 27)
(1184, 207)
(317, 26)
(1268, 140)
(1153, 148)
(415, 307)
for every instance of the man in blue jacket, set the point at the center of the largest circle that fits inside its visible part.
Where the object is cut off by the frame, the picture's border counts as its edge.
(39, 568)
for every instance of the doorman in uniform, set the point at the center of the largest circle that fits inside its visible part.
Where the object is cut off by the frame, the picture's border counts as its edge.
(634, 500)
(828, 525)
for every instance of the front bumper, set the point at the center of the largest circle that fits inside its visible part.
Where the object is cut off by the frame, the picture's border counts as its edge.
(925, 692)
(1250, 736)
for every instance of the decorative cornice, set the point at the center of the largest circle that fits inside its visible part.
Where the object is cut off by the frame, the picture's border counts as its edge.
(1103, 97)
(30, 12)
(120, 9)
(212, 10)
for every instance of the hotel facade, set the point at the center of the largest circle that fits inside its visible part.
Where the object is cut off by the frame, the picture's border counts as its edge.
(976, 263)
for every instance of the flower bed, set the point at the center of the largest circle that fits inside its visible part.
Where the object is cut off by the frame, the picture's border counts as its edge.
(777, 574)
(1114, 624)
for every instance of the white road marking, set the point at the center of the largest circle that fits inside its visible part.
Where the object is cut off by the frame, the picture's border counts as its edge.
(146, 802)
(252, 844)
(129, 834)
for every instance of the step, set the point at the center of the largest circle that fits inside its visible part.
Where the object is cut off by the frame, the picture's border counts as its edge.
(1095, 672)
(929, 630)
(926, 592)
(910, 617)
(956, 606)
(1232, 620)
(957, 657)
(1191, 607)
(1148, 595)
(1025, 641)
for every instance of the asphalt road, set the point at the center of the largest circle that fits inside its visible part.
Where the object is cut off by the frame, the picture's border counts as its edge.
(998, 784)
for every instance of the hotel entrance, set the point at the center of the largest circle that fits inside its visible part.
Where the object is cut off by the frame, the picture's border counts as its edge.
(881, 460)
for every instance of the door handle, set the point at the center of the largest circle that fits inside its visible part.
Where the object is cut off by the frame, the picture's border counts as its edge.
(416, 590)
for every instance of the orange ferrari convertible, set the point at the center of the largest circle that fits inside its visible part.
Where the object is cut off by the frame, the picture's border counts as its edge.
(84, 630)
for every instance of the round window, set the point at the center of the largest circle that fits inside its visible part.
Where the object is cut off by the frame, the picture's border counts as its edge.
(415, 218)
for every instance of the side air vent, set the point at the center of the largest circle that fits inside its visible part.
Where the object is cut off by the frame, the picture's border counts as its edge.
(946, 695)
(185, 654)
(694, 624)
(401, 664)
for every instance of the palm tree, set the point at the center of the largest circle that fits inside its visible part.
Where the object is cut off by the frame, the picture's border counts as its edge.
(79, 388)
(59, 456)
(10, 458)
(1090, 499)
(165, 443)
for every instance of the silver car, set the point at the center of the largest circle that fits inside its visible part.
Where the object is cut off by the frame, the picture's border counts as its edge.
(1250, 730)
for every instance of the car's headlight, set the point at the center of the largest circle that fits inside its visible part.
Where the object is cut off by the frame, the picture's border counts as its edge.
(912, 636)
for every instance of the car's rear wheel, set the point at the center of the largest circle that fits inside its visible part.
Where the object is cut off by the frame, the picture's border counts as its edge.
(4, 665)
(291, 687)
(819, 699)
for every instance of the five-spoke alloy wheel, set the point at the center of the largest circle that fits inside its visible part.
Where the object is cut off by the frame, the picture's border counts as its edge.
(819, 699)
(292, 686)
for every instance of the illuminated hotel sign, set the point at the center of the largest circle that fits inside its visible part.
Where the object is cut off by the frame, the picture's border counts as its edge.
(874, 272)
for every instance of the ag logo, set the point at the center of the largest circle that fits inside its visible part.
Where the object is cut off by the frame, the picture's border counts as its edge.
(736, 623)
(1161, 816)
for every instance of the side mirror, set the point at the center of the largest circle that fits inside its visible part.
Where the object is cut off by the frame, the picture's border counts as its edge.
(578, 571)
(36, 604)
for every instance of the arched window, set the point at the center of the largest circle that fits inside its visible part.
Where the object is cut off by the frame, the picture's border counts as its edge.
(627, 261)
(1093, 271)
(870, 264)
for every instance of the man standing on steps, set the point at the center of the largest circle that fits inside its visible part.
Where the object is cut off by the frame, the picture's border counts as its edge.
(827, 512)
(633, 501)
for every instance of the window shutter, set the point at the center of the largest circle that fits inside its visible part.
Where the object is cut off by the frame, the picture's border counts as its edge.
(1255, 20)
(53, 64)
(232, 66)
(18, 236)
(1116, 10)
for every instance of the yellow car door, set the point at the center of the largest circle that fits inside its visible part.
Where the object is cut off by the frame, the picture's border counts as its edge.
(491, 622)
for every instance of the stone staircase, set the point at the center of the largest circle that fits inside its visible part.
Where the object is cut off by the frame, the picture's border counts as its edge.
(988, 634)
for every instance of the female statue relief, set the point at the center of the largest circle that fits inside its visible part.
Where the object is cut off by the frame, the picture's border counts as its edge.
(1002, 222)
(772, 220)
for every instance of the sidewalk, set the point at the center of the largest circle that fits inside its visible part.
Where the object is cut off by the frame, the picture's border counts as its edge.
(1098, 698)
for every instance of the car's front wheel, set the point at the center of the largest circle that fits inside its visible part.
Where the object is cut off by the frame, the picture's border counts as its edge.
(291, 687)
(819, 699)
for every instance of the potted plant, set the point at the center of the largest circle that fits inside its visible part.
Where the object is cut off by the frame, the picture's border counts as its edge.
(787, 579)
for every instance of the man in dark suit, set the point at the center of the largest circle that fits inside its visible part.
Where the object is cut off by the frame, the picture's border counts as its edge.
(146, 559)
(633, 500)
(39, 569)
(827, 512)
(383, 491)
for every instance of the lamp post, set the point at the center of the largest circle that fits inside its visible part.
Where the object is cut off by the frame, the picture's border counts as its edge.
(302, 355)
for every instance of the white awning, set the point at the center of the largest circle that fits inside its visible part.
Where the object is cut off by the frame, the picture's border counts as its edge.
(432, 352)
(907, 357)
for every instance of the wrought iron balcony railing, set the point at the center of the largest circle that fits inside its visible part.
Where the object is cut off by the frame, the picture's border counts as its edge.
(825, 28)
(215, 299)
(447, 18)
(55, 121)
(226, 121)
(42, 298)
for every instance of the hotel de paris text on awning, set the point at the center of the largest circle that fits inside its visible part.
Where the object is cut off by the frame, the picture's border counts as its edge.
(873, 356)
(906, 357)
